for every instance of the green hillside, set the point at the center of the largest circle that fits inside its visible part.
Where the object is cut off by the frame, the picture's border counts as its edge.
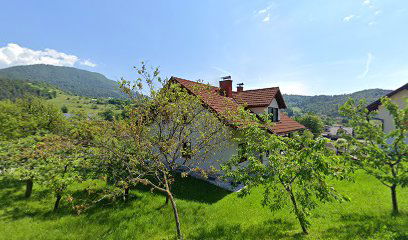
(68, 79)
(12, 89)
(328, 104)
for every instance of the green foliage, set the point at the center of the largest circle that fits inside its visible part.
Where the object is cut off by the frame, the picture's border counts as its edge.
(382, 155)
(13, 89)
(76, 81)
(107, 115)
(26, 123)
(313, 122)
(28, 116)
(295, 172)
(21, 158)
(64, 109)
(327, 105)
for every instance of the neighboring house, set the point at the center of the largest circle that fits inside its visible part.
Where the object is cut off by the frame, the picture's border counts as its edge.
(222, 99)
(398, 96)
(334, 132)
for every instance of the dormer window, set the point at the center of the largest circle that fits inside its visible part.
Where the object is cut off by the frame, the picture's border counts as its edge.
(274, 114)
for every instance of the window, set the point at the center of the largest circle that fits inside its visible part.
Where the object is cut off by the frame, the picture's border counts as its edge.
(274, 114)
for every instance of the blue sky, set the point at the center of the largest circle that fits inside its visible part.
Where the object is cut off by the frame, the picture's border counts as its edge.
(304, 47)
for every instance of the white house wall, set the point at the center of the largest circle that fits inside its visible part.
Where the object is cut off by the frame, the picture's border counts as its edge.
(260, 110)
(400, 99)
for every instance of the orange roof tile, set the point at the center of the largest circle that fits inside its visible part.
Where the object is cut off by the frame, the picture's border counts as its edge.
(223, 105)
(286, 125)
(259, 97)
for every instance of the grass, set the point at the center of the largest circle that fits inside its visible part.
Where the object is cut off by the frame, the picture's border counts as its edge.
(79, 104)
(206, 212)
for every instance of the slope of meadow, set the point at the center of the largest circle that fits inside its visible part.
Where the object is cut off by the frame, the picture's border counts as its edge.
(206, 212)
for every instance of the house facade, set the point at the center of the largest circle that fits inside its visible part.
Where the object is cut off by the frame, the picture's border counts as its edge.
(222, 99)
(399, 97)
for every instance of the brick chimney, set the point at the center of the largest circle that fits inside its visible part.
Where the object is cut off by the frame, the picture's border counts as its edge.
(226, 86)
(240, 87)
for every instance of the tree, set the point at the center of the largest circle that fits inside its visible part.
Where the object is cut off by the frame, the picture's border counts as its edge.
(22, 161)
(382, 155)
(117, 153)
(313, 122)
(171, 130)
(107, 115)
(294, 172)
(64, 109)
(24, 122)
(59, 164)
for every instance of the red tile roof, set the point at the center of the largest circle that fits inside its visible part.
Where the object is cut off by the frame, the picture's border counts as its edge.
(259, 97)
(286, 125)
(223, 106)
(210, 95)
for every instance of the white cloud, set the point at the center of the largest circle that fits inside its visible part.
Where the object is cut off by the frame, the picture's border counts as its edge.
(368, 3)
(266, 10)
(378, 12)
(265, 13)
(13, 54)
(367, 65)
(348, 18)
(262, 11)
(267, 18)
(88, 63)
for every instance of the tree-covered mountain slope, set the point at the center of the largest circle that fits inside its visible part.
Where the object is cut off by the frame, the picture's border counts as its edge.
(328, 104)
(12, 89)
(69, 79)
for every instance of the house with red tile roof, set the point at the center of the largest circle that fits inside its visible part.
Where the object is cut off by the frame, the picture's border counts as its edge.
(223, 101)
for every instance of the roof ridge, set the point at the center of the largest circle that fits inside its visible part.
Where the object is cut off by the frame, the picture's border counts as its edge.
(257, 89)
(179, 78)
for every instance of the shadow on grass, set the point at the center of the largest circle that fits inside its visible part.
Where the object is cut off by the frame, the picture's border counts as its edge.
(271, 229)
(192, 189)
(15, 205)
(365, 226)
(40, 206)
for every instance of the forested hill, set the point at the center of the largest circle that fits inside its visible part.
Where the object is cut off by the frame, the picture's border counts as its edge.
(12, 89)
(328, 104)
(69, 79)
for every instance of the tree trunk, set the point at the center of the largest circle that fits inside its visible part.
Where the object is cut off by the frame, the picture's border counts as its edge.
(394, 199)
(297, 212)
(57, 202)
(126, 195)
(167, 196)
(29, 188)
(173, 205)
(176, 216)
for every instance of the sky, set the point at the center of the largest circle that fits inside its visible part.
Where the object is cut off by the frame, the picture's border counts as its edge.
(304, 47)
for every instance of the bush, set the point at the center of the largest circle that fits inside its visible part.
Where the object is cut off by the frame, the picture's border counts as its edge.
(313, 122)
(107, 115)
(64, 109)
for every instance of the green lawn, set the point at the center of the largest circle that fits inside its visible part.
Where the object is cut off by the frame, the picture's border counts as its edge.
(206, 213)
(79, 104)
